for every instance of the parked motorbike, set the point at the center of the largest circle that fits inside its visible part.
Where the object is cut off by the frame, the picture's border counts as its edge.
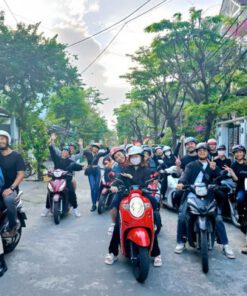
(57, 194)
(229, 210)
(172, 181)
(201, 219)
(137, 229)
(29, 169)
(106, 196)
(10, 243)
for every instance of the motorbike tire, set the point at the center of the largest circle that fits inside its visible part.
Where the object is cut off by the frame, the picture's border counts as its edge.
(101, 204)
(141, 268)
(8, 248)
(204, 251)
(233, 216)
(28, 170)
(56, 212)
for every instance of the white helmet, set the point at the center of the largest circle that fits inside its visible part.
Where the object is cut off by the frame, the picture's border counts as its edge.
(166, 148)
(7, 135)
(135, 150)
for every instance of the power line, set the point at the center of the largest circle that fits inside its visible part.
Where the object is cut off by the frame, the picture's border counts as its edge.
(119, 31)
(10, 10)
(224, 35)
(104, 50)
(110, 27)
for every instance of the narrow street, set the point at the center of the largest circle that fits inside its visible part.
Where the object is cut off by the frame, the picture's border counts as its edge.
(69, 259)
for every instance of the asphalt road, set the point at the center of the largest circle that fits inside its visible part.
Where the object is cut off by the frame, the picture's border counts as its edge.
(68, 259)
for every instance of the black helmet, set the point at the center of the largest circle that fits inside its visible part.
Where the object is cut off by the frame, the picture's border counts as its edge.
(202, 146)
(66, 148)
(189, 139)
(106, 159)
(72, 144)
(148, 150)
(237, 148)
(221, 147)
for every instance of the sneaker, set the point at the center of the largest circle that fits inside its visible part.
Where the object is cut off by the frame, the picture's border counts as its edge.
(180, 247)
(111, 229)
(76, 212)
(157, 261)
(227, 250)
(93, 208)
(45, 212)
(110, 259)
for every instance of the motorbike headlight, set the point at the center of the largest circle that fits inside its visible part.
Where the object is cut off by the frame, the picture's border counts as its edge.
(201, 190)
(136, 207)
(50, 187)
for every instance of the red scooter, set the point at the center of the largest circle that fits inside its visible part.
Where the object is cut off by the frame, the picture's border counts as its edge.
(57, 194)
(137, 231)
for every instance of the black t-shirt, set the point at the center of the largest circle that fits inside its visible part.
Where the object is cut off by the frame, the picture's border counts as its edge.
(237, 168)
(187, 159)
(10, 165)
(212, 155)
(222, 162)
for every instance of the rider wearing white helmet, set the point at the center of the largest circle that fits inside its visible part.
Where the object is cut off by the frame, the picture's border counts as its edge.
(13, 167)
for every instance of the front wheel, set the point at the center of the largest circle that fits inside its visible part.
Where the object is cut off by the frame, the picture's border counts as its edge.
(234, 213)
(10, 244)
(56, 212)
(101, 204)
(141, 267)
(204, 251)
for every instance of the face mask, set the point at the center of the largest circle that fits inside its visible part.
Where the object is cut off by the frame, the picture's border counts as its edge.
(221, 152)
(135, 161)
(168, 153)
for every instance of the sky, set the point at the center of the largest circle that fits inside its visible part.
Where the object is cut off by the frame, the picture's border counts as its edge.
(74, 20)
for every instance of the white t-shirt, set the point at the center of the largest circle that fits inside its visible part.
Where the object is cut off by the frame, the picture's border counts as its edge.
(200, 175)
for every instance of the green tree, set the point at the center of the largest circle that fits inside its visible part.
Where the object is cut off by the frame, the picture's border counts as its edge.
(204, 62)
(35, 138)
(130, 121)
(32, 67)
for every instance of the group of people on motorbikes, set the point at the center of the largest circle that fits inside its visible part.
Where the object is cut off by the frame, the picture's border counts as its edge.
(131, 165)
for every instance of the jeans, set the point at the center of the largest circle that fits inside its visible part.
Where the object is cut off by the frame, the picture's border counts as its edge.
(240, 200)
(94, 182)
(9, 203)
(182, 226)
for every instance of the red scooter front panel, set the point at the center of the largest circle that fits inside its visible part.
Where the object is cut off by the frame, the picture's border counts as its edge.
(139, 230)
